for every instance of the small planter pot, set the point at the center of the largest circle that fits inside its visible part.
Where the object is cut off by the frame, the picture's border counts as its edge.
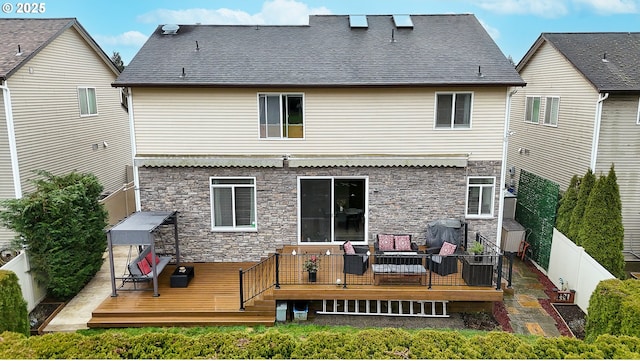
(312, 276)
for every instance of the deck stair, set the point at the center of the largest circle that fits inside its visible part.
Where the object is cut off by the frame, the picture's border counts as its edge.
(405, 308)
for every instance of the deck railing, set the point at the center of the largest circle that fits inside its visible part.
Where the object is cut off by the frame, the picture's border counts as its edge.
(258, 278)
(424, 270)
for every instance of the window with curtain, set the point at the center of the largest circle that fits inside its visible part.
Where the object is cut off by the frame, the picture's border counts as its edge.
(453, 110)
(233, 204)
(480, 196)
(281, 115)
(87, 101)
(532, 110)
(551, 109)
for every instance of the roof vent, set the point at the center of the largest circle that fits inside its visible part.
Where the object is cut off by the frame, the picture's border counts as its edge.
(403, 21)
(19, 51)
(604, 58)
(170, 29)
(358, 21)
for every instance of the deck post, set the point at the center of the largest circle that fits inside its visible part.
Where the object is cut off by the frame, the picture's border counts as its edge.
(499, 279)
(241, 292)
(429, 263)
(277, 285)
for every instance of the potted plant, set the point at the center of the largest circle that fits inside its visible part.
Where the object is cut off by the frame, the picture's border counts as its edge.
(311, 265)
(477, 248)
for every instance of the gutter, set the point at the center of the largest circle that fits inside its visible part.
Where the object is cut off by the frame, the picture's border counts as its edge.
(11, 135)
(132, 134)
(503, 167)
(596, 130)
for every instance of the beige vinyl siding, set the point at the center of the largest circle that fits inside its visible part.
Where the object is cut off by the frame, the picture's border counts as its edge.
(555, 153)
(6, 175)
(50, 133)
(620, 144)
(336, 121)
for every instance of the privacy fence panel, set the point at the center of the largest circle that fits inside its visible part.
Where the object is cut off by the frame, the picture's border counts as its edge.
(536, 211)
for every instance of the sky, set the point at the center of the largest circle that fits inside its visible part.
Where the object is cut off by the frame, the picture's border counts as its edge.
(125, 25)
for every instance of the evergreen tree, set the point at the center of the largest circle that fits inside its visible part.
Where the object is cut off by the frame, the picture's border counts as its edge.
(117, 60)
(62, 224)
(567, 204)
(601, 231)
(586, 184)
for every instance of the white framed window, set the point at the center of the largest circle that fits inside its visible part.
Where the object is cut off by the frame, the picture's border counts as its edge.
(480, 197)
(281, 115)
(638, 116)
(453, 110)
(87, 101)
(551, 109)
(233, 204)
(532, 110)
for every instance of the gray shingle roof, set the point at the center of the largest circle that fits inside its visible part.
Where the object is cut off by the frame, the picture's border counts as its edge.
(31, 35)
(438, 50)
(586, 51)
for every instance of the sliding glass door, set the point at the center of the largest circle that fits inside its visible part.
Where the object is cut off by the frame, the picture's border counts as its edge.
(332, 209)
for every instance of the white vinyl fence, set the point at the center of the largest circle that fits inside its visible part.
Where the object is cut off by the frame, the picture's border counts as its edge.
(578, 270)
(32, 292)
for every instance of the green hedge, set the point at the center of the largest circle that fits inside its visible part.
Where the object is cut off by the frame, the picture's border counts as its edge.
(614, 308)
(275, 343)
(13, 307)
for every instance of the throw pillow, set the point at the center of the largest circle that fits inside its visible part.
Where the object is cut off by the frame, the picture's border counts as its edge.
(348, 248)
(403, 243)
(385, 242)
(149, 258)
(144, 266)
(447, 249)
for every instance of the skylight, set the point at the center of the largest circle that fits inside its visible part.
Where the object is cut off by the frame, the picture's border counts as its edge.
(403, 21)
(358, 21)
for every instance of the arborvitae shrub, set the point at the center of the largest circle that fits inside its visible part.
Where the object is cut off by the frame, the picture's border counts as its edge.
(13, 308)
(614, 309)
(586, 184)
(567, 204)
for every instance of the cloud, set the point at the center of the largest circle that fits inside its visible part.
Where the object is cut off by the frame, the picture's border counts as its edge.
(129, 38)
(493, 32)
(273, 12)
(611, 6)
(544, 8)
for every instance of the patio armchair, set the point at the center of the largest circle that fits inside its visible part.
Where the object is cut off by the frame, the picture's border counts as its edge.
(443, 260)
(356, 263)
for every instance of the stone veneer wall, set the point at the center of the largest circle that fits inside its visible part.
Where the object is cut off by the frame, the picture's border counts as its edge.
(401, 200)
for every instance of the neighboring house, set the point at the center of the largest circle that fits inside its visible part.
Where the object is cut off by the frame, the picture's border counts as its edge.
(580, 110)
(262, 136)
(58, 111)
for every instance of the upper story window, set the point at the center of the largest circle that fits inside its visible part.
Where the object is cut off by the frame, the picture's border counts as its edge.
(551, 109)
(532, 110)
(480, 195)
(233, 204)
(281, 115)
(453, 110)
(87, 100)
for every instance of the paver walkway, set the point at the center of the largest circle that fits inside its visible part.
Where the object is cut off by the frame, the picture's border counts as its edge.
(525, 311)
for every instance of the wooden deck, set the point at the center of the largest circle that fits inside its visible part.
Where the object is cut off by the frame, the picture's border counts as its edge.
(212, 297)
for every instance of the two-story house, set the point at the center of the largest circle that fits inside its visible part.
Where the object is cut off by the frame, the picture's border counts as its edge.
(264, 136)
(579, 110)
(58, 111)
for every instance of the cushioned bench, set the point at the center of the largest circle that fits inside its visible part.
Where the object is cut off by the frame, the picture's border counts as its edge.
(138, 273)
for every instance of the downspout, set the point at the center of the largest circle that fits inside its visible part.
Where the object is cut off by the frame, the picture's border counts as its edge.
(503, 167)
(596, 131)
(132, 134)
(11, 135)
